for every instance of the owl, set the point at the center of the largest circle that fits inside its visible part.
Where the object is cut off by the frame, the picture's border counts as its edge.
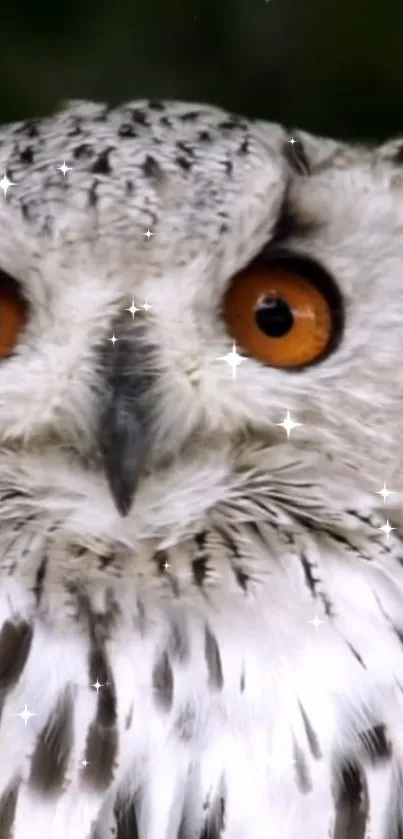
(201, 479)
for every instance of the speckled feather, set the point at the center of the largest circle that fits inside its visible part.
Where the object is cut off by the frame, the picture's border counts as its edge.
(159, 534)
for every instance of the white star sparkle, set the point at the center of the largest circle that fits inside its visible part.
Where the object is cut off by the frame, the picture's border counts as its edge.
(387, 529)
(97, 685)
(148, 234)
(25, 715)
(288, 424)
(132, 309)
(63, 168)
(84, 763)
(233, 359)
(316, 622)
(5, 184)
(385, 492)
(113, 340)
(147, 306)
(166, 566)
(292, 141)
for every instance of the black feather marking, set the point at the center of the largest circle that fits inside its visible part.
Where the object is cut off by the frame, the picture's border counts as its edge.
(102, 738)
(216, 824)
(311, 735)
(101, 746)
(52, 749)
(129, 718)
(351, 804)
(304, 781)
(179, 640)
(15, 645)
(200, 563)
(376, 744)
(163, 682)
(40, 577)
(160, 557)
(356, 654)
(101, 165)
(190, 116)
(8, 806)
(312, 583)
(100, 752)
(241, 576)
(199, 571)
(213, 660)
(152, 168)
(126, 822)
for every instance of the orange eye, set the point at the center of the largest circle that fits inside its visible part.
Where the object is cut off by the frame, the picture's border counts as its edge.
(279, 314)
(13, 311)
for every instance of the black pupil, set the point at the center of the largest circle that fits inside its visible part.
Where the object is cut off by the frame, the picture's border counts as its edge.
(274, 317)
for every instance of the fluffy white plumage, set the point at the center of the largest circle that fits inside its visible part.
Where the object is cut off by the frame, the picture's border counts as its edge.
(193, 605)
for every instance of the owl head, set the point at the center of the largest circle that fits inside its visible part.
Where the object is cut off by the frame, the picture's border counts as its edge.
(141, 248)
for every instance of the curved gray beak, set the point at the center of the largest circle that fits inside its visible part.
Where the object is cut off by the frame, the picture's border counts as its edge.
(125, 420)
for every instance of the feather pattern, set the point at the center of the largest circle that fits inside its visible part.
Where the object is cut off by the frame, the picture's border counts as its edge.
(153, 713)
(201, 622)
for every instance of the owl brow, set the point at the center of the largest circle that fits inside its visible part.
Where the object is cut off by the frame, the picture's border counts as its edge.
(290, 222)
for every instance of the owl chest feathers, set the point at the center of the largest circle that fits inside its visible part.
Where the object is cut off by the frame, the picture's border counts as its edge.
(244, 681)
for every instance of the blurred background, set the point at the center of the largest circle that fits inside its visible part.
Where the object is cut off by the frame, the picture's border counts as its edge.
(329, 66)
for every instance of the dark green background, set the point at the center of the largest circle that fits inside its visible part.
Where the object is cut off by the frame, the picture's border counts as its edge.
(330, 66)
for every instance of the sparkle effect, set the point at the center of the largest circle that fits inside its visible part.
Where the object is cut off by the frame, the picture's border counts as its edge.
(387, 529)
(316, 622)
(133, 309)
(385, 492)
(288, 424)
(25, 715)
(233, 359)
(5, 184)
(279, 763)
(64, 169)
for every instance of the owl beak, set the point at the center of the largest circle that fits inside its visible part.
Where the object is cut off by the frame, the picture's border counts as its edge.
(124, 429)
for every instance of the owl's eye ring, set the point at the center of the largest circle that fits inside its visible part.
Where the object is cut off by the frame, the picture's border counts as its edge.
(285, 310)
(13, 314)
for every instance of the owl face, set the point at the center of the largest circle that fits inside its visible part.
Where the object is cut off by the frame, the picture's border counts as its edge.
(178, 234)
